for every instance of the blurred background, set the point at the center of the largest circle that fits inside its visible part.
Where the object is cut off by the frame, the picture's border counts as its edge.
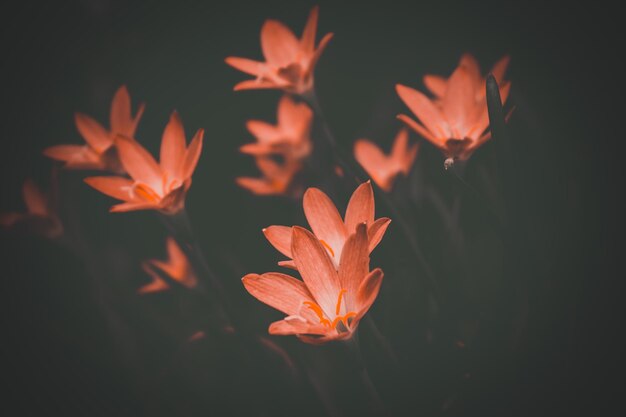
(531, 321)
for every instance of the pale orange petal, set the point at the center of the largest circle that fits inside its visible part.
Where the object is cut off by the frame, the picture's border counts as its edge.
(94, 134)
(471, 66)
(376, 231)
(138, 162)
(436, 84)
(131, 206)
(320, 49)
(374, 162)
(279, 44)
(121, 121)
(295, 325)
(280, 238)
(308, 34)
(262, 131)
(324, 218)
(158, 284)
(400, 146)
(280, 291)
(459, 102)
(259, 186)
(316, 267)
(192, 156)
(425, 110)
(246, 65)
(256, 84)
(173, 146)
(360, 207)
(116, 187)
(499, 69)
(354, 264)
(75, 156)
(368, 291)
(176, 257)
(421, 130)
(35, 201)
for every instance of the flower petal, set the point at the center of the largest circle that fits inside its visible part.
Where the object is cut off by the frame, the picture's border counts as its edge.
(280, 238)
(192, 156)
(360, 207)
(173, 146)
(354, 265)
(459, 102)
(262, 131)
(158, 284)
(255, 85)
(138, 162)
(425, 110)
(499, 69)
(246, 65)
(75, 156)
(116, 187)
(94, 134)
(375, 163)
(436, 84)
(279, 44)
(421, 130)
(324, 219)
(308, 34)
(121, 121)
(318, 52)
(376, 231)
(133, 206)
(295, 325)
(316, 268)
(280, 291)
(368, 291)
(35, 201)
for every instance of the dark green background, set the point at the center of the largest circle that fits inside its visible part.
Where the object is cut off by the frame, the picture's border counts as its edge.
(71, 343)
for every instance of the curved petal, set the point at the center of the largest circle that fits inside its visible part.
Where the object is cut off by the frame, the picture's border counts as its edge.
(262, 131)
(421, 130)
(256, 84)
(173, 146)
(354, 265)
(318, 52)
(368, 291)
(499, 69)
(279, 44)
(374, 162)
(316, 268)
(116, 187)
(121, 121)
(138, 162)
(360, 207)
(436, 84)
(75, 156)
(324, 219)
(133, 206)
(425, 110)
(280, 291)
(400, 146)
(192, 156)
(459, 102)
(295, 325)
(246, 65)
(376, 231)
(280, 238)
(35, 201)
(307, 42)
(94, 134)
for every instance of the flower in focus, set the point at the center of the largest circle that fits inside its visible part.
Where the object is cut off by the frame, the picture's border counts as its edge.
(40, 216)
(456, 120)
(329, 228)
(176, 267)
(382, 168)
(328, 303)
(289, 137)
(289, 61)
(276, 180)
(153, 186)
(99, 152)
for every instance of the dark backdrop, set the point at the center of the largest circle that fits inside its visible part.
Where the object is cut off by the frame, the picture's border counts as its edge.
(70, 345)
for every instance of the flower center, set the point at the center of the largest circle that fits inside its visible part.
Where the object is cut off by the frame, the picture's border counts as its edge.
(338, 319)
(146, 193)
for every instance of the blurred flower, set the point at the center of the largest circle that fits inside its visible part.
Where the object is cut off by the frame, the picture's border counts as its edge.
(276, 180)
(330, 229)
(456, 120)
(328, 303)
(289, 62)
(40, 218)
(99, 153)
(176, 267)
(382, 168)
(153, 186)
(289, 137)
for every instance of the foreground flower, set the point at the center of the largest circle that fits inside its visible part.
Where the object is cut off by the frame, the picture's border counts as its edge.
(382, 168)
(456, 121)
(289, 62)
(330, 229)
(40, 217)
(98, 152)
(153, 186)
(176, 267)
(289, 137)
(276, 180)
(327, 304)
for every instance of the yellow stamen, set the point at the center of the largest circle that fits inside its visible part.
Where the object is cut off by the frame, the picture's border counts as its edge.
(338, 308)
(327, 246)
(326, 322)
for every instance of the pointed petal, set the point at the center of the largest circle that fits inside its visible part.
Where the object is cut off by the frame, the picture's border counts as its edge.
(192, 156)
(94, 134)
(157, 284)
(121, 121)
(279, 44)
(256, 85)
(354, 264)
(421, 130)
(400, 146)
(425, 110)
(459, 102)
(436, 84)
(374, 162)
(316, 268)
(308, 34)
(499, 69)
(318, 52)
(470, 64)
(360, 207)
(288, 264)
(138, 162)
(280, 238)
(35, 201)
(376, 231)
(368, 291)
(258, 186)
(132, 206)
(173, 146)
(176, 257)
(295, 325)
(324, 219)
(75, 156)
(116, 187)
(262, 131)
(280, 291)
(246, 65)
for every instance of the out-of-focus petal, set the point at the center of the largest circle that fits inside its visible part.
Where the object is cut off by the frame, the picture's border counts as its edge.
(192, 156)
(421, 130)
(255, 84)
(173, 146)
(425, 110)
(279, 44)
(307, 42)
(459, 102)
(138, 162)
(436, 84)
(35, 201)
(116, 187)
(246, 65)
(374, 162)
(94, 134)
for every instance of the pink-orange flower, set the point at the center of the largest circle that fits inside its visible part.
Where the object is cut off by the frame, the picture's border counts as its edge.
(98, 152)
(176, 267)
(290, 137)
(328, 303)
(276, 180)
(456, 120)
(382, 168)
(40, 218)
(153, 186)
(330, 229)
(289, 61)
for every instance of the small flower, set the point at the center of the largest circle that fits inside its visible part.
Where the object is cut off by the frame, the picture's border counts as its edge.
(289, 62)
(456, 120)
(382, 168)
(153, 186)
(40, 217)
(290, 137)
(98, 152)
(328, 303)
(276, 180)
(330, 229)
(176, 267)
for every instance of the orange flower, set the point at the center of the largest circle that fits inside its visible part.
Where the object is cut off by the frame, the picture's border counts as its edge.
(382, 168)
(176, 267)
(153, 186)
(98, 153)
(289, 62)
(289, 137)
(456, 120)
(328, 303)
(40, 217)
(330, 229)
(276, 179)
